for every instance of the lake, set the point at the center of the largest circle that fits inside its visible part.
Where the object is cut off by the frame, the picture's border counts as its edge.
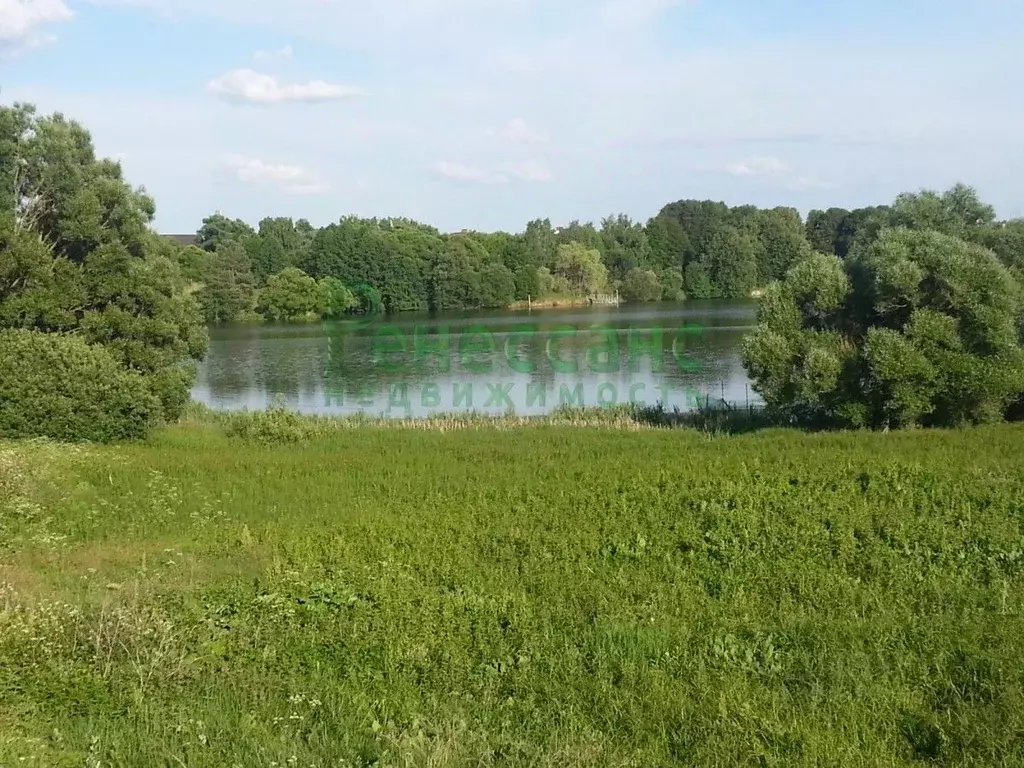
(486, 361)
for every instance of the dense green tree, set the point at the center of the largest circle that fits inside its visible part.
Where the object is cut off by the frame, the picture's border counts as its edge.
(586, 235)
(280, 243)
(732, 263)
(625, 245)
(822, 229)
(700, 221)
(508, 249)
(528, 282)
(454, 283)
(393, 257)
(230, 290)
(581, 268)
(59, 386)
(641, 285)
(668, 242)
(497, 286)
(77, 255)
(337, 299)
(860, 229)
(1006, 240)
(541, 243)
(291, 295)
(697, 281)
(195, 263)
(672, 284)
(780, 243)
(922, 328)
(837, 230)
(551, 284)
(957, 212)
(218, 230)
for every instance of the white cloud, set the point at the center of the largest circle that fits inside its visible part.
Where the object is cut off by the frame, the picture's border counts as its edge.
(256, 88)
(282, 53)
(517, 131)
(631, 111)
(290, 179)
(21, 21)
(757, 166)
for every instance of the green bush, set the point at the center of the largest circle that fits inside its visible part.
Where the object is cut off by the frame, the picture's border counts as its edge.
(277, 424)
(58, 386)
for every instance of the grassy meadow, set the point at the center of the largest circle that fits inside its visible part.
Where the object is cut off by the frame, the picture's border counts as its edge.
(527, 595)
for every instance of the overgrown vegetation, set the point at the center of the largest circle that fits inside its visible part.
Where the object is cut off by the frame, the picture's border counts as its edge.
(923, 325)
(58, 386)
(547, 595)
(77, 258)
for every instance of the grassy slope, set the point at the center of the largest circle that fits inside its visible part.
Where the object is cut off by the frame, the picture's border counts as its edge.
(535, 596)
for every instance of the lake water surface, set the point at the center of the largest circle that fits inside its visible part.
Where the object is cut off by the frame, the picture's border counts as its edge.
(487, 361)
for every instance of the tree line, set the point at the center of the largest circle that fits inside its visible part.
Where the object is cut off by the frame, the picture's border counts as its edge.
(892, 316)
(285, 269)
(699, 249)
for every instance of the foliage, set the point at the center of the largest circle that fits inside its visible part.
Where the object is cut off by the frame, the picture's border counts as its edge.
(838, 231)
(545, 595)
(294, 295)
(230, 288)
(957, 212)
(780, 243)
(582, 269)
(218, 231)
(58, 386)
(641, 285)
(921, 329)
(337, 298)
(671, 280)
(626, 246)
(77, 255)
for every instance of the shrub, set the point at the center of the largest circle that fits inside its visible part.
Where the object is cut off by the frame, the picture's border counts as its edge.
(58, 386)
(919, 329)
(277, 424)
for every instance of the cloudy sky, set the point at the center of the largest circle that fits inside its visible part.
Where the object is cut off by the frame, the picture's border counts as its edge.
(486, 113)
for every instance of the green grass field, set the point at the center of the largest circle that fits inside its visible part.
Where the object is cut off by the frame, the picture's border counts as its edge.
(538, 595)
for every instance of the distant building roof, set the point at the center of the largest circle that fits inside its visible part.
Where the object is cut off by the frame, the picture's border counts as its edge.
(183, 240)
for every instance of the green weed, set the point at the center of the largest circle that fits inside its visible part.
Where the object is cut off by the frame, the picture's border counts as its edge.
(255, 591)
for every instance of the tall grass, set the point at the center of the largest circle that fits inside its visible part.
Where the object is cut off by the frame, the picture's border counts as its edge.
(512, 594)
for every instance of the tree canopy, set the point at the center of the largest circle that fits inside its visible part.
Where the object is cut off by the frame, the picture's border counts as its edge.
(78, 256)
(919, 326)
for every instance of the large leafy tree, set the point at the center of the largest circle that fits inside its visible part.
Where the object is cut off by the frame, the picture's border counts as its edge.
(625, 245)
(581, 268)
(668, 242)
(957, 212)
(731, 262)
(279, 243)
(641, 285)
(822, 229)
(229, 291)
(218, 230)
(292, 295)
(779, 244)
(77, 255)
(919, 329)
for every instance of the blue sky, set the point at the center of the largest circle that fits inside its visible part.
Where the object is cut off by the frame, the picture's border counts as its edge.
(484, 114)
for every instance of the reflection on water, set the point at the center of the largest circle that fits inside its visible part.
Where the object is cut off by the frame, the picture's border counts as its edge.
(491, 362)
